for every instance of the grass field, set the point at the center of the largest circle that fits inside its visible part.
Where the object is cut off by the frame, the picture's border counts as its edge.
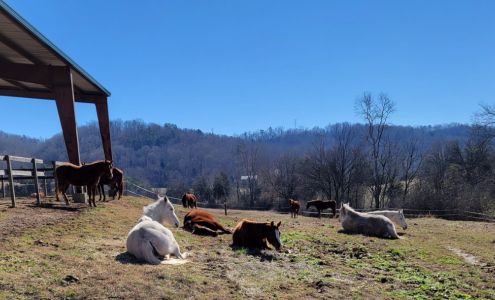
(84, 256)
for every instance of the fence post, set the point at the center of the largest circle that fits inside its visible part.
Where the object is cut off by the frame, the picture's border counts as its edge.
(3, 188)
(45, 187)
(11, 180)
(54, 163)
(225, 207)
(36, 182)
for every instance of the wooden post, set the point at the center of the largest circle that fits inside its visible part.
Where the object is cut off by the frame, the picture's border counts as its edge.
(3, 188)
(64, 98)
(46, 188)
(11, 181)
(54, 164)
(36, 182)
(104, 124)
(225, 207)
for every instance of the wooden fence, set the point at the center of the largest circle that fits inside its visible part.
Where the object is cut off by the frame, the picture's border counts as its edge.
(32, 169)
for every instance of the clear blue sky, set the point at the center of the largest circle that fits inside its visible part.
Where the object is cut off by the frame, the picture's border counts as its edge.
(235, 66)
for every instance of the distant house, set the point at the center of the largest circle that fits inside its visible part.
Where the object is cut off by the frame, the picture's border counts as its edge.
(247, 177)
(244, 183)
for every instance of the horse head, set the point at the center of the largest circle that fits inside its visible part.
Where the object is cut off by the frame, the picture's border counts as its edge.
(273, 235)
(108, 169)
(402, 219)
(161, 211)
(168, 211)
(342, 211)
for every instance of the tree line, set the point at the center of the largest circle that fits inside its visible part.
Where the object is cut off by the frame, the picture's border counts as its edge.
(371, 164)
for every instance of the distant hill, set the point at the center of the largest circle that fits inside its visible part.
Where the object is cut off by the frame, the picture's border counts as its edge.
(165, 155)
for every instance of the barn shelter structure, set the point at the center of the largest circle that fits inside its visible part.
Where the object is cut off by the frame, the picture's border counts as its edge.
(32, 67)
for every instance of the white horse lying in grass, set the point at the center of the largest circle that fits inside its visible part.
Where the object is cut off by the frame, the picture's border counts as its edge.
(396, 216)
(149, 240)
(367, 224)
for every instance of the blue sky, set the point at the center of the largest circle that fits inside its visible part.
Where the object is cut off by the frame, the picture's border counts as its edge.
(235, 66)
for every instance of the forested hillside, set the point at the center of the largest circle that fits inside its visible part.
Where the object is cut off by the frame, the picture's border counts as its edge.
(164, 155)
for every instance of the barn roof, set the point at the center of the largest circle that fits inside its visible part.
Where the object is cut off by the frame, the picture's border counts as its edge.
(21, 43)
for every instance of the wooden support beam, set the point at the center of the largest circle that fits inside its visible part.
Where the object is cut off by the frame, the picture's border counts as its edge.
(29, 73)
(64, 97)
(3, 188)
(104, 124)
(47, 95)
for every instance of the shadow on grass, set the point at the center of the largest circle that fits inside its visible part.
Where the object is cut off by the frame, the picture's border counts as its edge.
(78, 207)
(380, 237)
(126, 258)
(263, 255)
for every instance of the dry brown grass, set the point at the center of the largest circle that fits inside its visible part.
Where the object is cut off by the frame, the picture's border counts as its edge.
(317, 261)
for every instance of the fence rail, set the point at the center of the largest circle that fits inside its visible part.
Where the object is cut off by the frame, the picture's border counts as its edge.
(38, 169)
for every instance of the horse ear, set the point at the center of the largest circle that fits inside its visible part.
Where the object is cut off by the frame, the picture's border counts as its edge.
(272, 224)
(279, 223)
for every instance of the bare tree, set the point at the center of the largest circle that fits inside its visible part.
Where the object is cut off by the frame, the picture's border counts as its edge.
(376, 113)
(284, 177)
(317, 170)
(411, 161)
(248, 155)
(343, 157)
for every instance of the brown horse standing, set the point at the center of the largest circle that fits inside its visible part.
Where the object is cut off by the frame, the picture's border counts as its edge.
(116, 183)
(201, 222)
(252, 234)
(189, 200)
(85, 175)
(294, 208)
(321, 205)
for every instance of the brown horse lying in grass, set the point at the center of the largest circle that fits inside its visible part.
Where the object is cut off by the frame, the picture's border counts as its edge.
(189, 200)
(257, 235)
(294, 208)
(86, 175)
(201, 222)
(321, 205)
(116, 183)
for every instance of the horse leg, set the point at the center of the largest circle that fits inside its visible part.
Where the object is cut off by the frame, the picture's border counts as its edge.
(64, 190)
(95, 187)
(102, 188)
(121, 190)
(90, 192)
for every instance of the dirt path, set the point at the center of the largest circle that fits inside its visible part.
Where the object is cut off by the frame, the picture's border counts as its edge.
(26, 215)
(470, 259)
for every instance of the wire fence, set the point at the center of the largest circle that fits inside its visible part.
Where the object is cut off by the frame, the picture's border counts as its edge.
(451, 214)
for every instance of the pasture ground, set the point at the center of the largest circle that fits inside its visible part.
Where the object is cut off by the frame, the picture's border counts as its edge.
(80, 253)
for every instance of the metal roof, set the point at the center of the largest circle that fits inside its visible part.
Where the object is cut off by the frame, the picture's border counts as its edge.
(21, 43)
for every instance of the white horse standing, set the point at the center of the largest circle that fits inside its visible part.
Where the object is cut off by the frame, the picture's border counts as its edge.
(149, 240)
(363, 223)
(396, 216)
